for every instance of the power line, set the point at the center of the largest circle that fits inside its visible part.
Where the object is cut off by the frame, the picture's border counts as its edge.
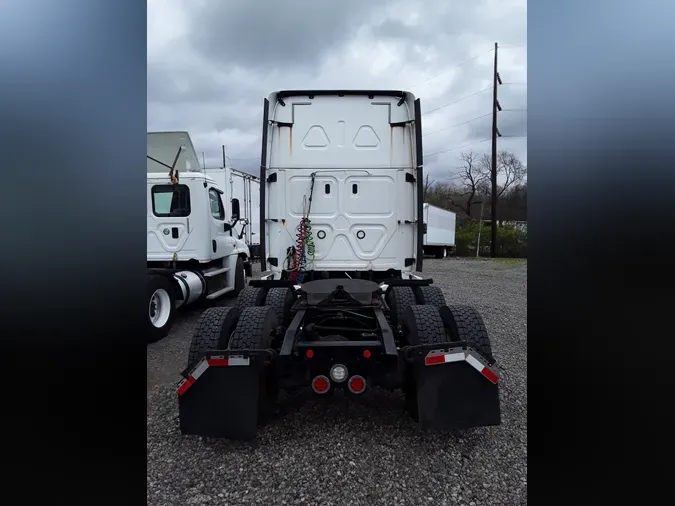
(457, 147)
(448, 70)
(458, 100)
(458, 124)
(459, 65)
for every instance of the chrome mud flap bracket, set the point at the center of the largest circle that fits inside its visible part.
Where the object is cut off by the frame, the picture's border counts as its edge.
(219, 396)
(455, 388)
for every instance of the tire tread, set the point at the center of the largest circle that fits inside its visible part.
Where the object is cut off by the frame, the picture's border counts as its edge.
(250, 331)
(209, 334)
(249, 297)
(430, 296)
(399, 298)
(470, 327)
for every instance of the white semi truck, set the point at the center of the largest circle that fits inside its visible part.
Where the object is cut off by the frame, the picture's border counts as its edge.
(192, 251)
(439, 239)
(341, 304)
(244, 187)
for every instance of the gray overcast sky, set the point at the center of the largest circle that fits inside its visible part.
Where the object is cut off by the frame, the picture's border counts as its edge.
(211, 63)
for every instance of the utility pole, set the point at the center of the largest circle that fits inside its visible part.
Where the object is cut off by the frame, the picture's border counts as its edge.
(224, 157)
(496, 80)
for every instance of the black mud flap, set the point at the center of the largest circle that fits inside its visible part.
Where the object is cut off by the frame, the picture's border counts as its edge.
(456, 390)
(219, 397)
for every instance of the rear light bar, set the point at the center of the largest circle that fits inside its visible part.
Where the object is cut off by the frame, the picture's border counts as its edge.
(459, 355)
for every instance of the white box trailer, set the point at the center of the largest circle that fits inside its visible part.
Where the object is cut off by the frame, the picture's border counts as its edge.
(439, 239)
(246, 188)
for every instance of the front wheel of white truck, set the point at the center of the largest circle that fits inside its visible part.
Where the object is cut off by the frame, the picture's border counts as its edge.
(161, 307)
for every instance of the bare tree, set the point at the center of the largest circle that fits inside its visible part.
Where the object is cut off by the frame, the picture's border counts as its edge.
(473, 178)
(509, 169)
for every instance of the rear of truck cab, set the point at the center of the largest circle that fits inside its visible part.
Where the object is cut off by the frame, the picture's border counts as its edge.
(354, 155)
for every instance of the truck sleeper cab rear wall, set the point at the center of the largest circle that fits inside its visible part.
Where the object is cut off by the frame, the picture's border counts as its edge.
(362, 151)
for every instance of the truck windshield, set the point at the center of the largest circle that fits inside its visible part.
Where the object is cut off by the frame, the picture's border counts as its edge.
(171, 200)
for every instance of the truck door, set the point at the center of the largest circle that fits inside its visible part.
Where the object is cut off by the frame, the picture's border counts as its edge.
(221, 241)
(169, 212)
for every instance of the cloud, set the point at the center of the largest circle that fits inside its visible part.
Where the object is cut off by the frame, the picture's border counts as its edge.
(211, 64)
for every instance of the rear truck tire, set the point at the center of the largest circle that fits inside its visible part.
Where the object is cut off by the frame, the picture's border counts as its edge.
(212, 332)
(161, 307)
(440, 252)
(282, 300)
(255, 331)
(399, 298)
(464, 323)
(450, 396)
(421, 325)
(249, 297)
(239, 277)
(430, 296)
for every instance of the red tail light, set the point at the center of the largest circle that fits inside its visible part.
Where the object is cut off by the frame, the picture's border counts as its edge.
(320, 384)
(357, 384)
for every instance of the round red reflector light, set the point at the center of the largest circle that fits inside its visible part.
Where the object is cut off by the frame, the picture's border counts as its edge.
(357, 384)
(366, 353)
(309, 353)
(320, 384)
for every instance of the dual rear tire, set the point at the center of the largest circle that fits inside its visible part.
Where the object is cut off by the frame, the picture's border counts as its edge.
(459, 322)
(251, 324)
(279, 299)
(422, 317)
(430, 325)
(231, 328)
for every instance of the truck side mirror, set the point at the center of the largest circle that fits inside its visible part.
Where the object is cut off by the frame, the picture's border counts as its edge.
(235, 209)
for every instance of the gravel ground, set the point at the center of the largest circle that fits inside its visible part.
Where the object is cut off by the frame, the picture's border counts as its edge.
(365, 451)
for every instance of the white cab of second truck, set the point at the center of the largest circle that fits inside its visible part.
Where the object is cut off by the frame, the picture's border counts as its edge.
(245, 187)
(439, 239)
(350, 160)
(192, 252)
